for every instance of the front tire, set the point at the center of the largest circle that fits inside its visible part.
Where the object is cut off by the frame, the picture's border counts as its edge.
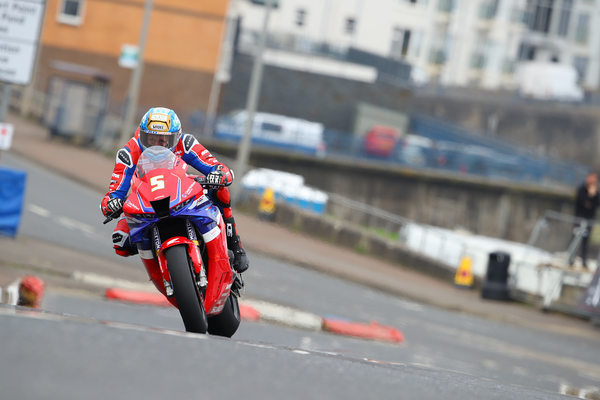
(226, 323)
(189, 299)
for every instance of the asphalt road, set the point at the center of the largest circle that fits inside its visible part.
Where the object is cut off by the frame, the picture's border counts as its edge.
(446, 354)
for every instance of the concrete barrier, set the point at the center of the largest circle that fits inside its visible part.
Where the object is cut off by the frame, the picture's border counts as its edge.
(346, 234)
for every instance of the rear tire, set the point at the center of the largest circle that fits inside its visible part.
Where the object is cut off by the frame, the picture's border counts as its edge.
(189, 300)
(226, 323)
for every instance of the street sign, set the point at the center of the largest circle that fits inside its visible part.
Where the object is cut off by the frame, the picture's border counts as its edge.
(20, 28)
(6, 134)
(129, 56)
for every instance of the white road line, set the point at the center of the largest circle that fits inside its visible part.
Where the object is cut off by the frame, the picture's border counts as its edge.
(106, 281)
(88, 230)
(38, 210)
(286, 315)
(12, 291)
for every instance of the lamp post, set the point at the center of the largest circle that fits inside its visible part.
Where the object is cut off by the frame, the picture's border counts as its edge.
(251, 104)
(136, 79)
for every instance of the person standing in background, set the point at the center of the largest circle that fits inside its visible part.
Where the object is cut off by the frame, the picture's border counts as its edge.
(586, 203)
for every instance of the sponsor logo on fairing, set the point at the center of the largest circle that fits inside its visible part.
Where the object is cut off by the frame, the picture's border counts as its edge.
(116, 176)
(132, 205)
(190, 231)
(112, 181)
(156, 238)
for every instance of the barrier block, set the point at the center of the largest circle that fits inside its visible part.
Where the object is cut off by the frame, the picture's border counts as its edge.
(131, 296)
(12, 194)
(373, 331)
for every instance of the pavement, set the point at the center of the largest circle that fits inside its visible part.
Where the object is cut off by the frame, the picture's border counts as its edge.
(93, 169)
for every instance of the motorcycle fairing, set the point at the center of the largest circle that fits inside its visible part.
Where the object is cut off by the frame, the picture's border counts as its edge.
(200, 211)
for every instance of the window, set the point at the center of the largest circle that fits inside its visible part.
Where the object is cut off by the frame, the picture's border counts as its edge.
(580, 64)
(71, 12)
(445, 5)
(440, 44)
(526, 52)
(478, 57)
(583, 28)
(300, 17)
(271, 127)
(488, 9)
(274, 3)
(350, 26)
(400, 42)
(565, 16)
(538, 14)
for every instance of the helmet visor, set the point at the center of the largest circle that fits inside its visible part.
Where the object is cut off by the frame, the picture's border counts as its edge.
(149, 139)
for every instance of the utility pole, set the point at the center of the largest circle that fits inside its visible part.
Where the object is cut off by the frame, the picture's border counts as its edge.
(251, 104)
(222, 72)
(136, 78)
(6, 93)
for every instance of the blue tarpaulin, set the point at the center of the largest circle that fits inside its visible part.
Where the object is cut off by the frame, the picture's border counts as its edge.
(12, 196)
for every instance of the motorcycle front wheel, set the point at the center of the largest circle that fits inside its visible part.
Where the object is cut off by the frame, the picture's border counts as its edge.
(189, 299)
(226, 323)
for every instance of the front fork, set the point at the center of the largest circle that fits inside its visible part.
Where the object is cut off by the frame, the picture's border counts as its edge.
(193, 251)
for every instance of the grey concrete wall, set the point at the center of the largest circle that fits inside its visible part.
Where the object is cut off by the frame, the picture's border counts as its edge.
(491, 208)
(326, 99)
(567, 131)
(354, 238)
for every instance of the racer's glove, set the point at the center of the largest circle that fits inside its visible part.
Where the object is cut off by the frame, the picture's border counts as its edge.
(115, 204)
(216, 178)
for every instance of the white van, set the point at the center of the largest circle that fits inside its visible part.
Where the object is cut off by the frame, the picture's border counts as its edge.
(549, 81)
(275, 129)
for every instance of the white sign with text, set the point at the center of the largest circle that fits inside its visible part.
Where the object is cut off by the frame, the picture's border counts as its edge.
(20, 26)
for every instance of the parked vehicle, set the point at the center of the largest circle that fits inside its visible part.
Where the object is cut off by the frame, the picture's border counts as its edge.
(415, 150)
(380, 141)
(549, 81)
(180, 236)
(274, 130)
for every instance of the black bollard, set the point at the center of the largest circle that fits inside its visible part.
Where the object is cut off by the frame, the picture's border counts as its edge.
(495, 286)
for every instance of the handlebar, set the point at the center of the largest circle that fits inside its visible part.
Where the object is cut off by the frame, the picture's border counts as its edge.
(202, 180)
(113, 216)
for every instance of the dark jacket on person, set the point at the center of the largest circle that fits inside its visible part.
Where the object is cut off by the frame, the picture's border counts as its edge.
(585, 205)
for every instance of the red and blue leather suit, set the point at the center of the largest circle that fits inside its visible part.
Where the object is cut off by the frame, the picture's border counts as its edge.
(188, 149)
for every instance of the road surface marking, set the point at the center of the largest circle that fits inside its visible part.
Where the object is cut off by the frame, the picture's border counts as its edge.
(64, 221)
(106, 281)
(38, 210)
(286, 315)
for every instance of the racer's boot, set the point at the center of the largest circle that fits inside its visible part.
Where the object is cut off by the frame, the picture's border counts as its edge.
(240, 260)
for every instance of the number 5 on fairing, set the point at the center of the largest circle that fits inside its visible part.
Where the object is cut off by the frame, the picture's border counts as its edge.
(157, 182)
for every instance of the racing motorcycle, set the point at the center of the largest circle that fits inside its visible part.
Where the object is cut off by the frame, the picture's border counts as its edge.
(180, 236)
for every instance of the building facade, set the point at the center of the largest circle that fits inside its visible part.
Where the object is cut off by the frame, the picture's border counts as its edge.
(84, 43)
(475, 43)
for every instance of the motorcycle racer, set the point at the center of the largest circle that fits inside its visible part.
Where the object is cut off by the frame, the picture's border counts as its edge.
(161, 127)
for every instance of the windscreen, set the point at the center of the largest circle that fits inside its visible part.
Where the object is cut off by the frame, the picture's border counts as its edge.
(155, 157)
